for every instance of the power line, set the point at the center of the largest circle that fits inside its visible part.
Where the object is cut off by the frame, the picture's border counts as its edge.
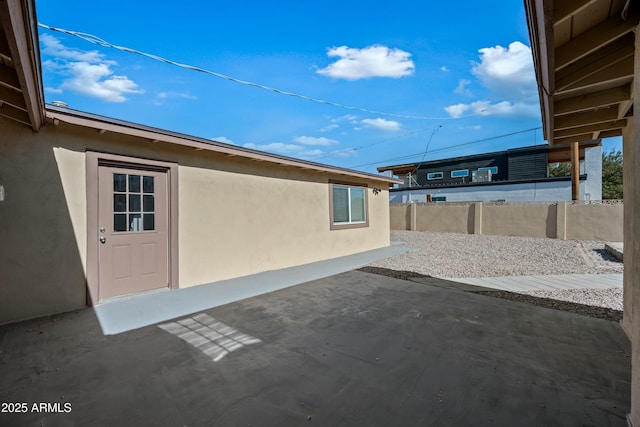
(100, 42)
(354, 149)
(409, 156)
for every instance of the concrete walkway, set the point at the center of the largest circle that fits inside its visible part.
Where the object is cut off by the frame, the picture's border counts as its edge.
(545, 282)
(124, 314)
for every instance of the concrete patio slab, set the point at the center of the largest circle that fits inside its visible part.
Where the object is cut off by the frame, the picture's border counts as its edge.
(131, 312)
(351, 349)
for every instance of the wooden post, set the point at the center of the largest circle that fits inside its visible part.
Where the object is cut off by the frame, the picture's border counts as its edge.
(575, 171)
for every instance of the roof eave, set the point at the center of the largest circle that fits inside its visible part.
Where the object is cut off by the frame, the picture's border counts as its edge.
(539, 15)
(106, 124)
(20, 26)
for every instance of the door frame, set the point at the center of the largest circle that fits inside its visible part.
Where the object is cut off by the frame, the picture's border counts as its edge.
(94, 160)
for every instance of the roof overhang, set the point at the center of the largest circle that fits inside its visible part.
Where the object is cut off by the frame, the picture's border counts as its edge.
(583, 53)
(562, 153)
(399, 169)
(56, 115)
(21, 97)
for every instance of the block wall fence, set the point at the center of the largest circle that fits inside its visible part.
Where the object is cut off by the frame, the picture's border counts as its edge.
(559, 220)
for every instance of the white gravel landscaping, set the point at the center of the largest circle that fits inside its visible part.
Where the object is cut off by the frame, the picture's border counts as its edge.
(469, 255)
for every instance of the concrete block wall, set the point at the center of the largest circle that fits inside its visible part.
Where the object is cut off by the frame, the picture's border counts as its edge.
(559, 220)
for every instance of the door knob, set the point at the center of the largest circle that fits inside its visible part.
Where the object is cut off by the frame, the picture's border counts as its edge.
(103, 239)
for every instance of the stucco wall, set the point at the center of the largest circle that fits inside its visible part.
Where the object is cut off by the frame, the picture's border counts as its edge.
(450, 219)
(237, 224)
(399, 216)
(236, 217)
(41, 265)
(519, 220)
(595, 222)
(562, 220)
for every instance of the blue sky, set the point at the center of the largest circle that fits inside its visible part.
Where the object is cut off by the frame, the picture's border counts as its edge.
(428, 80)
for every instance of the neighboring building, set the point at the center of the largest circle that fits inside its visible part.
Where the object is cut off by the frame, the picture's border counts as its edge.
(92, 207)
(515, 175)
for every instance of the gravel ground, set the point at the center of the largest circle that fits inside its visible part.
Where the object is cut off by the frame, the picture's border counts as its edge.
(471, 255)
(467, 255)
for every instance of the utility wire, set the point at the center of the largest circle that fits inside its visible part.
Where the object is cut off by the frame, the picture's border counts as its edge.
(354, 149)
(409, 156)
(100, 42)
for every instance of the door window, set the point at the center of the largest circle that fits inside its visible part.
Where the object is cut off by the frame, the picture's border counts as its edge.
(133, 203)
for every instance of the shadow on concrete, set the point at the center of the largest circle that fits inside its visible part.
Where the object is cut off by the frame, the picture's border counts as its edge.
(351, 349)
(572, 307)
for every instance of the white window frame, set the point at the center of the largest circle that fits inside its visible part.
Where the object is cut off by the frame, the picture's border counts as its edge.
(430, 176)
(465, 171)
(350, 223)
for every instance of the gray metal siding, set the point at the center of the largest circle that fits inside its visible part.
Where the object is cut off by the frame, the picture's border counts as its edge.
(527, 165)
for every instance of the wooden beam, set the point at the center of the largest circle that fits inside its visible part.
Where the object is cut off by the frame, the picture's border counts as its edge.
(584, 119)
(540, 23)
(564, 9)
(16, 114)
(595, 63)
(575, 171)
(9, 76)
(563, 156)
(570, 140)
(617, 75)
(589, 129)
(595, 38)
(4, 46)
(624, 107)
(611, 133)
(12, 97)
(593, 100)
(20, 26)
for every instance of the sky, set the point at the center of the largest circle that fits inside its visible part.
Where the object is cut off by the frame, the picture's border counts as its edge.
(368, 84)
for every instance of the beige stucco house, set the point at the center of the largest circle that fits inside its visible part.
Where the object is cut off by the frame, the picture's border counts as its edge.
(92, 208)
(587, 59)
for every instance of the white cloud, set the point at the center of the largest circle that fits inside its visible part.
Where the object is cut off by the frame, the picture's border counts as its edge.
(223, 139)
(382, 124)
(461, 89)
(371, 61)
(293, 150)
(501, 109)
(162, 97)
(167, 95)
(337, 121)
(53, 90)
(347, 152)
(96, 80)
(507, 72)
(444, 69)
(509, 76)
(52, 46)
(330, 127)
(85, 72)
(310, 140)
